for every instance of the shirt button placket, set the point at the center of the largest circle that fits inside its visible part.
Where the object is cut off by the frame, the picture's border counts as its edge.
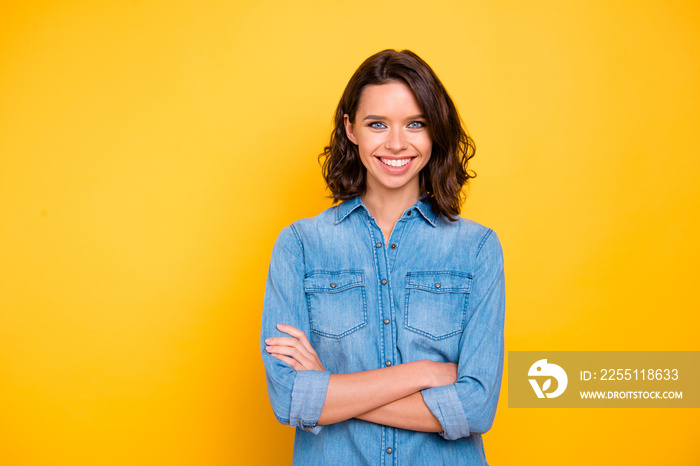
(384, 253)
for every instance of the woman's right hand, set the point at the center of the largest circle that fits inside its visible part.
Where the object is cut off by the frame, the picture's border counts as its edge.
(295, 350)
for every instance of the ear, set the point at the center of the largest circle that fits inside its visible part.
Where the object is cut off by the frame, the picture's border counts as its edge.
(349, 129)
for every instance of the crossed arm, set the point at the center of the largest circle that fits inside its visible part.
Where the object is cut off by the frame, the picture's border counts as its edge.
(389, 396)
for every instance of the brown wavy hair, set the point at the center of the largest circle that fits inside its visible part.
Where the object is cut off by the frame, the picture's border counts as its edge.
(442, 179)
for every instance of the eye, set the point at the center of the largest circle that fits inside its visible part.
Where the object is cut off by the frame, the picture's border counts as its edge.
(416, 125)
(376, 125)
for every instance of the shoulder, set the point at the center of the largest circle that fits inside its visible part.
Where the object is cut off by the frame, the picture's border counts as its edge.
(327, 217)
(466, 229)
(483, 241)
(310, 227)
(296, 233)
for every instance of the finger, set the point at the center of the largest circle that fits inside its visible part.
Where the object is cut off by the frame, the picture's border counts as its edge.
(292, 352)
(290, 360)
(301, 360)
(298, 334)
(306, 362)
(293, 363)
(291, 343)
(307, 355)
(282, 341)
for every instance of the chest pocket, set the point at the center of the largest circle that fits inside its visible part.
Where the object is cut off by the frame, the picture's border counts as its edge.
(436, 303)
(336, 302)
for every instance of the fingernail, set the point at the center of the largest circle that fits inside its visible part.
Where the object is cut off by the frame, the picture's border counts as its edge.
(267, 341)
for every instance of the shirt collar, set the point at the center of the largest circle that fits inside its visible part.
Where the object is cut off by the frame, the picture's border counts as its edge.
(346, 207)
(423, 206)
(426, 210)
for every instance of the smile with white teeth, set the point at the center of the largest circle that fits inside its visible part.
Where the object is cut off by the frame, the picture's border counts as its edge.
(395, 163)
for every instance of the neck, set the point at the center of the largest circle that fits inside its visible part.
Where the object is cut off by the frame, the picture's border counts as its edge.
(387, 207)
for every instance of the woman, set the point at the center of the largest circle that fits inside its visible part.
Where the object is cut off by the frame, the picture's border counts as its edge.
(382, 332)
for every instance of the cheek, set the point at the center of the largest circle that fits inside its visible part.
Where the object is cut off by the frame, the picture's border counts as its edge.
(424, 143)
(425, 163)
(365, 154)
(367, 145)
(426, 148)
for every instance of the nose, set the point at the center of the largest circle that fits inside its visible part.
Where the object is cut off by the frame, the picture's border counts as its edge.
(396, 140)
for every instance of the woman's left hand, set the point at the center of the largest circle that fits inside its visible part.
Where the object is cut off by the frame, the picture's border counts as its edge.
(295, 350)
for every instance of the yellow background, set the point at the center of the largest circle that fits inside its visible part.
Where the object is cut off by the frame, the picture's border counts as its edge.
(150, 152)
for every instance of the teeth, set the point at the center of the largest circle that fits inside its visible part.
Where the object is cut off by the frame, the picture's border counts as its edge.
(395, 163)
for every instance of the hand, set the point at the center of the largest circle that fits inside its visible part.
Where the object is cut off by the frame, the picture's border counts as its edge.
(296, 350)
(442, 373)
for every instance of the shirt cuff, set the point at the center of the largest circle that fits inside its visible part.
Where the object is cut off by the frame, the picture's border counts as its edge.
(444, 403)
(308, 396)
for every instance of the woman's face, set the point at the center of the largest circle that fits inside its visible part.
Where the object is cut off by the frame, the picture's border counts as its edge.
(392, 137)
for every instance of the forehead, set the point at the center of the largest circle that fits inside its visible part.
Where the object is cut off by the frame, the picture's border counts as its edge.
(394, 97)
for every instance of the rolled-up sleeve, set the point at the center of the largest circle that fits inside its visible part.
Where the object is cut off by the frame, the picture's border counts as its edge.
(469, 405)
(296, 397)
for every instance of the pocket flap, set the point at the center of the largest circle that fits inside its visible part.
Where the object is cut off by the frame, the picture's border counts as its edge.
(440, 282)
(333, 282)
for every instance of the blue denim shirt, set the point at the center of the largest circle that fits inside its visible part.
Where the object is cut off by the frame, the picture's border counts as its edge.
(434, 291)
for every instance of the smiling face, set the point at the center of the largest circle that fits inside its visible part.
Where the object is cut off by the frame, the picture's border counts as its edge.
(392, 137)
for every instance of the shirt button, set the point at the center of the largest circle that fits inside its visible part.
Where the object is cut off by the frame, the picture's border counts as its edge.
(387, 364)
(333, 285)
(408, 213)
(389, 451)
(393, 246)
(383, 281)
(437, 285)
(387, 321)
(379, 245)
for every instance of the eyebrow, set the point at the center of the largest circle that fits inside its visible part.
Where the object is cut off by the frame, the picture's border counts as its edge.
(378, 117)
